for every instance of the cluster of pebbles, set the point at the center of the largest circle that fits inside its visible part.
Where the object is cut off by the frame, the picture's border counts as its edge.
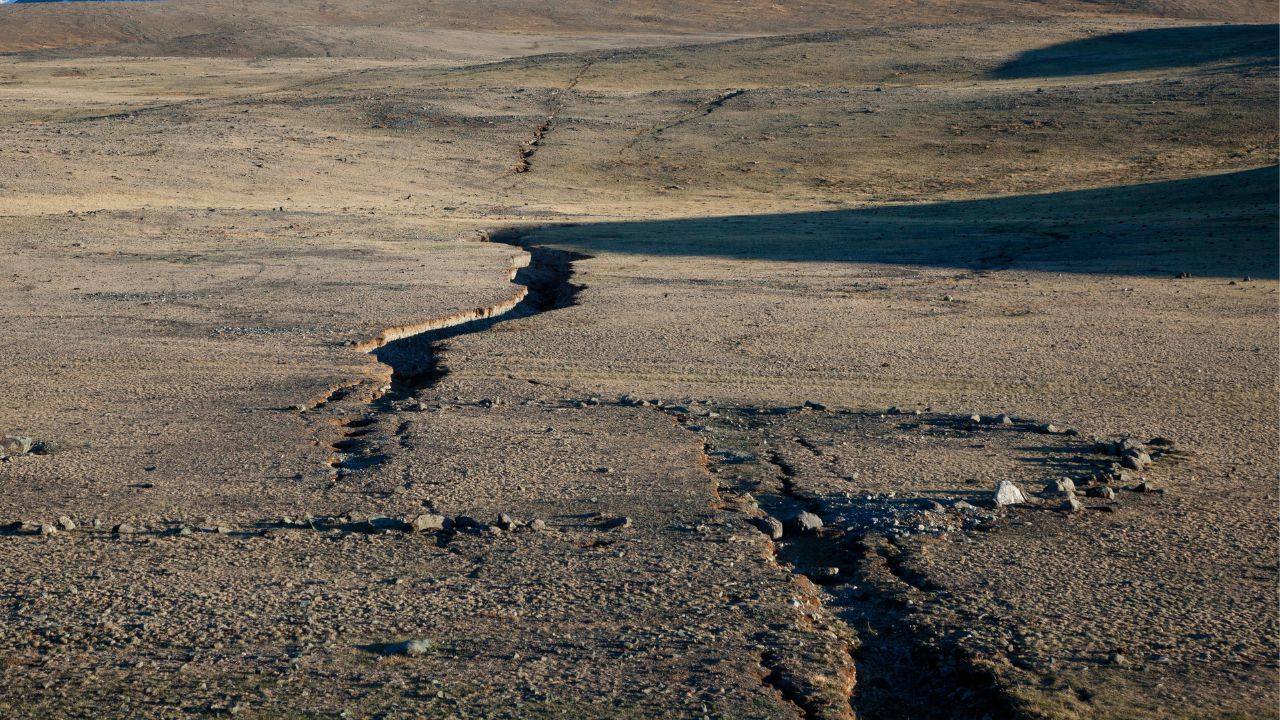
(423, 523)
(1130, 456)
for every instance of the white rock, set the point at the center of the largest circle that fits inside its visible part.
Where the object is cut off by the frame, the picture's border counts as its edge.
(1009, 494)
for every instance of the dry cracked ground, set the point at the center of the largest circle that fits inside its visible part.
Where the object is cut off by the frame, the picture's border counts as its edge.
(639, 359)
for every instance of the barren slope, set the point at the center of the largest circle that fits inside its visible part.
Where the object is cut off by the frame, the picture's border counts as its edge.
(975, 217)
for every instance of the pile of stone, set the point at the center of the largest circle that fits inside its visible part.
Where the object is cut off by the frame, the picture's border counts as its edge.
(1131, 454)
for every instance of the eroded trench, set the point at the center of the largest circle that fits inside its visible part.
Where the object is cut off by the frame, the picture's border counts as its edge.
(543, 282)
(893, 663)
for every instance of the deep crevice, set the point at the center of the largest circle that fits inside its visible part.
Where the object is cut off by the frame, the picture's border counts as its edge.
(415, 359)
(904, 667)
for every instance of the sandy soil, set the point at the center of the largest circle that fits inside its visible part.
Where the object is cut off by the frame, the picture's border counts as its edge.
(279, 283)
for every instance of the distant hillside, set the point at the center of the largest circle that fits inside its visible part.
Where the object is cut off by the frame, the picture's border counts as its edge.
(306, 28)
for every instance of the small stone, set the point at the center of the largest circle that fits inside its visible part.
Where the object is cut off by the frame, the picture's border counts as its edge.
(1008, 494)
(934, 506)
(466, 522)
(15, 445)
(813, 405)
(122, 529)
(619, 522)
(1061, 486)
(1103, 492)
(1071, 505)
(538, 524)
(1003, 419)
(976, 418)
(411, 648)
(222, 530)
(964, 507)
(66, 523)
(1128, 444)
(428, 523)
(1051, 429)
(381, 522)
(506, 522)
(1135, 459)
(48, 529)
(770, 526)
(805, 522)
(1117, 659)
(825, 572)
(948, 298)
(1146, 487)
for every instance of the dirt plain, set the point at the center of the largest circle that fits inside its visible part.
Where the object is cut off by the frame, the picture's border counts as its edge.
(601, 288)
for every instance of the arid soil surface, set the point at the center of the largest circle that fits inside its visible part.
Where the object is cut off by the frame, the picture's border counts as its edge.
(507, 359)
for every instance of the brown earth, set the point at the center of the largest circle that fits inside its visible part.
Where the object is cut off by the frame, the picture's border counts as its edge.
(317, 270)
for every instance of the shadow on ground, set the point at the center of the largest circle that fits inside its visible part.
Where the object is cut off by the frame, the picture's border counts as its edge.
(1154, 49)
(1219, 225)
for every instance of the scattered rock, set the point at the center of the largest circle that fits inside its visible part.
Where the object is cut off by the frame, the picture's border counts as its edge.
(48, 529)
(506, 522)
(1003, 419)
(810, 404)
(770, 526)
(411, 648)
(1160, 442)
(975, 418)
(1009, 494)
(1051, 429)
(66, 523)
(123, 529)
(805, 522)
(1146, 487)
(538, 524)
(429, 523)
(1071, 505)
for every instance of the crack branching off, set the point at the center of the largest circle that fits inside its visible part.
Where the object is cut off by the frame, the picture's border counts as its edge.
(701, 111)
(903, 667)
(559, 98)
